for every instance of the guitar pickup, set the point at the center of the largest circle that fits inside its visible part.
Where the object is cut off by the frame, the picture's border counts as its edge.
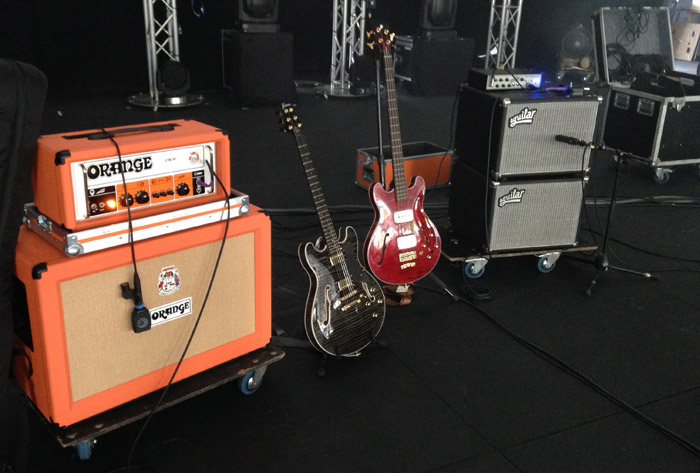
(403, 216)
(406, 241)
(344, 284)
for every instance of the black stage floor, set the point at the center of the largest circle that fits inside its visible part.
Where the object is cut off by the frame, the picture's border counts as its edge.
(539, 379)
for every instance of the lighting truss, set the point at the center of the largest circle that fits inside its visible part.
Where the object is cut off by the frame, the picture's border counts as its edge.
(504, 26)
(348, 41)
(162, 33)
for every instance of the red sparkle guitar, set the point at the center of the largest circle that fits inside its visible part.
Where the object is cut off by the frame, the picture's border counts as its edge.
(402, 245)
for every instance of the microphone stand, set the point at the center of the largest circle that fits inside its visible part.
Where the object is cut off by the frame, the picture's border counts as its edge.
(601, 263)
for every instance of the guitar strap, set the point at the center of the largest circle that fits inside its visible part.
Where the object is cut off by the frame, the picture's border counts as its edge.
(398, 295)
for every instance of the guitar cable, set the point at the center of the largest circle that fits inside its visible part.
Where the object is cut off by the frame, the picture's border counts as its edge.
(196, 324)
(127, 293)
(553, 360)
(452, 136)
(138, 298)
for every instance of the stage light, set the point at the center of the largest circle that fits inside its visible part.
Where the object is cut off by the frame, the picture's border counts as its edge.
(173, 79)
(258, 11)
(438, 18)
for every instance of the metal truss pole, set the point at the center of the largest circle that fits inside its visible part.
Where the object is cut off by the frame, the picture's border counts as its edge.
(348, 41)
(162, 42)
(504, 27)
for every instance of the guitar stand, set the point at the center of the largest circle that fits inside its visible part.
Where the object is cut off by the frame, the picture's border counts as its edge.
(601, 263)
(321, 372)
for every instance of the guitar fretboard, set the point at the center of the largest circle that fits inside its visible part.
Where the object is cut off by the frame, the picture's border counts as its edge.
(324, 215)
(394, 130)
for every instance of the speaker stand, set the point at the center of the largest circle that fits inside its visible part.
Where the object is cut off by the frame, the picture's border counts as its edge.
(601, 263)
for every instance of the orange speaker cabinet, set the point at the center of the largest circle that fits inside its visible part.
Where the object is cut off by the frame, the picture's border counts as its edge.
(83, 357)
(77, 178)
(424, 159)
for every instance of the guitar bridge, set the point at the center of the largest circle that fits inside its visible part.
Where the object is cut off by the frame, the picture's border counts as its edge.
(407, 256)
(348, 296)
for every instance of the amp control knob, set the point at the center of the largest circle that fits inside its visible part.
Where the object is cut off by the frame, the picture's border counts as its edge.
(142, 197)
(127, 200)
(182, 189)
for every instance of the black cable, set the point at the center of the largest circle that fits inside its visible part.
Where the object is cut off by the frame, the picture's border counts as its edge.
(516, 79)
(198, 12)
(553, 360)
(138, 298)
(652, 253)
(196, 324)
(475, 294)
(452, 137)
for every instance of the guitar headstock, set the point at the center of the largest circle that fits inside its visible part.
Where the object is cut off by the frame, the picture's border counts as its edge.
(380, 40)
(290, 122)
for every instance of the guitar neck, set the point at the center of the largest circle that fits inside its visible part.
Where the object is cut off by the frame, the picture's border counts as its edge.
(324, 215)
(394, 130)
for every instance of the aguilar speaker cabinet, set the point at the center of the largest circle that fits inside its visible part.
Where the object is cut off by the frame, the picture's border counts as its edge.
(516, 214)
(82, 355)
(513, 133)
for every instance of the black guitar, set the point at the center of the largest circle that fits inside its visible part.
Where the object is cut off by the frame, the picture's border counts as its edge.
(345, 306)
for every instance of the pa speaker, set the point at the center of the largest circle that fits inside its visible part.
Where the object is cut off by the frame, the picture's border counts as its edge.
(258, 68)
(81, 353)
(519, 214)
(513, 133)
(433, 67)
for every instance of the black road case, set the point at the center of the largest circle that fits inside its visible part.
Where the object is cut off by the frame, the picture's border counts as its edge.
(662, 130)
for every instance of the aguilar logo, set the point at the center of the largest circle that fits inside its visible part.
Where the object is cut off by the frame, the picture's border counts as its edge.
(168, 312)
(515, 196)
(526, 116)
(168, 281)
(129, 165)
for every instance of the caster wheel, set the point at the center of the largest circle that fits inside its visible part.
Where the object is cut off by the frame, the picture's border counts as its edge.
(247, 383)
(84, 449)
(662, 176)
(544, 265)
(469, 271)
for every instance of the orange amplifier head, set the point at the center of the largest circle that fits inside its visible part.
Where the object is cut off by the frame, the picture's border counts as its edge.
(77, 177)
(83, 356)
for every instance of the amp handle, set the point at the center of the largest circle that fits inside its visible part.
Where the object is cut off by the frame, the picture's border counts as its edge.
(102, 135)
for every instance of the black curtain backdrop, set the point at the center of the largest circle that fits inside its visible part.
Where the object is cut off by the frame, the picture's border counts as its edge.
(98, 46)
